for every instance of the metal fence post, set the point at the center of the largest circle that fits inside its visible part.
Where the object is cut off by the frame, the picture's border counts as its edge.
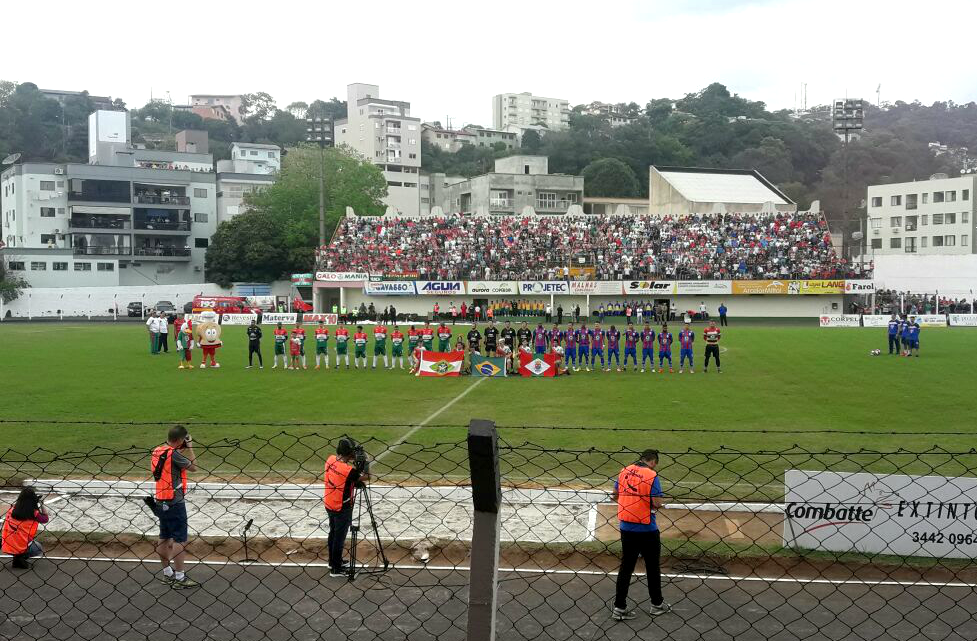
(483, 459)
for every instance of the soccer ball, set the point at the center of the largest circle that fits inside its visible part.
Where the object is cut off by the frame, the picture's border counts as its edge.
(875, 352)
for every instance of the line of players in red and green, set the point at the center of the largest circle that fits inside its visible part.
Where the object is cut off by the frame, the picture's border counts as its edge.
(578, 347)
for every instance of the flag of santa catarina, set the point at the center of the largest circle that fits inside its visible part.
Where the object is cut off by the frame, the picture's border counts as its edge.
(539, 365)
(441, 363)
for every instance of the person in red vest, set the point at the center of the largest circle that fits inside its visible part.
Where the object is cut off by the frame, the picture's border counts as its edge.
(20, 527)
(170, 464)
(638, 493)
(340, 480)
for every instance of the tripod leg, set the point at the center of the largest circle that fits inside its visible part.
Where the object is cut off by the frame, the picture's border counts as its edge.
(376, 530)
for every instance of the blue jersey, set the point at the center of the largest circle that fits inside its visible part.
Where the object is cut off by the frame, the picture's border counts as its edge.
(648, 339)
(630, 339)
(914, 331)
(893, 327)
(597, 338)
(540, 337)
(686, 338)
(613, 339)
(571, 338)
(583, 337)
(665, 341)
(905, 329)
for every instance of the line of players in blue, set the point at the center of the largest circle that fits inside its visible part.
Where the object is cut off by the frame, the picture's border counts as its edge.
(903, 336)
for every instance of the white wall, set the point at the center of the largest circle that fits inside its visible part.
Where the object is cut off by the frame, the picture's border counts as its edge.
(96, 301)
(929, 274)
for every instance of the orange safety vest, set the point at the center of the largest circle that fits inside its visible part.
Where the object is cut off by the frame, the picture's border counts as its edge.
(17, 534)
(634, 494)
(335, 477)
(164, 484)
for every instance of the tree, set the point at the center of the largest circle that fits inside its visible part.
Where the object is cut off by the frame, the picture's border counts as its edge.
(298, 108)
(610, 177)
(10, 285)
(258, 105)
(771, 158)
(531, 140)
(278, 234)
(333, 109)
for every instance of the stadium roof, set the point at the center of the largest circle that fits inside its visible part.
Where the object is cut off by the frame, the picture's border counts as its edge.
(701, 184)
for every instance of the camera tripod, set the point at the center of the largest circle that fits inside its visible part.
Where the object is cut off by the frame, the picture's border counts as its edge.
(355, 536)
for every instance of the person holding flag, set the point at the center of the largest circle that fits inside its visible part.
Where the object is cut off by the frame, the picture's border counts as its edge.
(571, 347)
(413, 339)
(322, 344)
(647, 347)
(685, 339)
(597, 336)
(664, 349)
(631, 346)
(281, 339)
(613, 347)
(299, 333)
(427, 336)
(444, 338)
(583, 349)
(342, 345)
(397, 346)
(359, 347)
(380, 345)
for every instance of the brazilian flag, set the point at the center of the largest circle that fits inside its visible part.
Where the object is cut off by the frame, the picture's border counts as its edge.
(487, 366)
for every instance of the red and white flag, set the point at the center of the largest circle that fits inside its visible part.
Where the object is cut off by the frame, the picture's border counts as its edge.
(441, 363)
(539, 365)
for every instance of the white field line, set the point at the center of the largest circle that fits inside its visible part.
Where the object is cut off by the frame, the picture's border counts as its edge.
(539, 571)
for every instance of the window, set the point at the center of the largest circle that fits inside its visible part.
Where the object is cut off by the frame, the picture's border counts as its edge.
(895, 201)
(926, 219)
(200, 218)
(412, 156)
(47, 212)
(876, 201)
(411, 127)
(895, 221)
(910, 246)
(425, 200)
(965, 216)
(949, 219)
(199, 193)
(60, 184)
(937, 219)
(922, 241)
(926, 198)
(47, 239)
(254, 153)
(911, 222)
(911, 201)
(391, 183)
(106, 267)
(47, 185)
(876, 223)
(83, 267)
(876, 243)
(951, 196)
(937, 196)
(16, 265)
(38, 266)
(60, 211)
(412, 141)
(271, 154)
(895, 243)
(201, 243)
(937, 241)
(965, 194)
(59, 267)
(949, 241)
(413, 185)
(964, 239)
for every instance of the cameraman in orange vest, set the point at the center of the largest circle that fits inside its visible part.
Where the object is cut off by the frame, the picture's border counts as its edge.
(341, 478)
(20, 528)
(638, 493)
(170, 464)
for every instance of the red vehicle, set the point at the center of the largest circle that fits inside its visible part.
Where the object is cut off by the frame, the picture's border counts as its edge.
(224, 305)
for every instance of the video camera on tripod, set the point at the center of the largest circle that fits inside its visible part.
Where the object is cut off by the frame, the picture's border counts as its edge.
(361, 463)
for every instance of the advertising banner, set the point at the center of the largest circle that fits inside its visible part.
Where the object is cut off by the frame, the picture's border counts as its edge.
(933, 516)
(859, 287)
(440, 287)
(339, 277)
(492, 287)
(583, 272)
(302, 280)
(544, 287)
(328, 319)
(389, 288)
(696, 287)
(238, 319)
(875, 320)
(649, 287)
(822, 286)
(759, 286)
(931, 320)
(963, 320)
(597, 287)
(273, 318)
(840, 320)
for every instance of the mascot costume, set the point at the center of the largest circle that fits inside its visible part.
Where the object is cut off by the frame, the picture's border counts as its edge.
(207, 334)
(184, 343)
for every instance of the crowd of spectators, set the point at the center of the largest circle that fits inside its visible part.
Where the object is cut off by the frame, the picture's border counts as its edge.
(890, 301)
(694, 247)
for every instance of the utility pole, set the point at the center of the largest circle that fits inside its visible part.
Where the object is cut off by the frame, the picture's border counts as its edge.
(319, 131)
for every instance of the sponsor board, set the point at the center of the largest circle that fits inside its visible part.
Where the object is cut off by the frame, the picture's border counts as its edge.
(492, 287)
(582, 272)
(933, 516)
(238, 319)
(340, 277)
(963, 320)
(272, 318)
(760, 286)
(328, 319)
(544, 287)
(859, 287)
(822, 287)
(931, 320)
(597, 287)
(389, 288)
(440, 287)
(649, 287)
(839, 320)
(695, 287)
(193, 318)
(876, 320)
(302, 280)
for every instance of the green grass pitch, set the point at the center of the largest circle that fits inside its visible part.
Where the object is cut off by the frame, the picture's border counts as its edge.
(790, 380)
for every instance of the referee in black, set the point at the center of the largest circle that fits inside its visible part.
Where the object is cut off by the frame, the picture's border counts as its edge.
(254, 345)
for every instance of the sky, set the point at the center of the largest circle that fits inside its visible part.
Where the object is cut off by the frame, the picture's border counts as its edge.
(449, 58)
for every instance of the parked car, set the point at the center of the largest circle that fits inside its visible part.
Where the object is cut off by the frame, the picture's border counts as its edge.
(165, 306)
(134, 309)
(188, 308)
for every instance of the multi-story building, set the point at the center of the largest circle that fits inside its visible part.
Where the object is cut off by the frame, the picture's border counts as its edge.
(129, 217)
(100, 102)
(452, 140)
(517, 112)
(384, 132)
(519, 185)
(614, 115)
(231, 102)
(932, 217)
(484, 137)
(252, 167)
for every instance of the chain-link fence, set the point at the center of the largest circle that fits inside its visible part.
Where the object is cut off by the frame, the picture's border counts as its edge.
(789, 544)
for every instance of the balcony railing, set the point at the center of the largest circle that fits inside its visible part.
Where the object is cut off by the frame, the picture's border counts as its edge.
(504, 203)
(147, 226)
(89, 223)
(103, 251)
(393, 130)
(146, 199)
(161, 251)
(393, 144)
(554, 205)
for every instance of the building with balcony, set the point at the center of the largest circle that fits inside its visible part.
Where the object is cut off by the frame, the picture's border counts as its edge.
(519, 185)
(146, 220)
(229, 103)
(616, 115)
(452, 140)
(384, 132)
(252, 167)
(517, 112)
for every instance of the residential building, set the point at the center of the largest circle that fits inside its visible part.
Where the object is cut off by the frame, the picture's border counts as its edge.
(484, 137)
(519, 185)
(678, 191)
(384, 132)
(207, 112)
(449, 140)
(517, 112)
(252, 167)
(99, 102)
(129, 217)
(231, 102)
(614, 115)
(932, 217)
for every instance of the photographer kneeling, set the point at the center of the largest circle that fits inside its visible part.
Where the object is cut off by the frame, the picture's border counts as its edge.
(170, 464)
(344, 471)
(20, 528)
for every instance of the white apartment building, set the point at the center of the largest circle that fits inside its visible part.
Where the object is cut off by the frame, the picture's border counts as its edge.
(932, 217)
(384, 131)
(252, 167)
(517, 112)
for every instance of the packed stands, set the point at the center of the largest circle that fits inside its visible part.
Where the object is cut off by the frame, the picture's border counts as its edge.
(703, 246)
(890, 301)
